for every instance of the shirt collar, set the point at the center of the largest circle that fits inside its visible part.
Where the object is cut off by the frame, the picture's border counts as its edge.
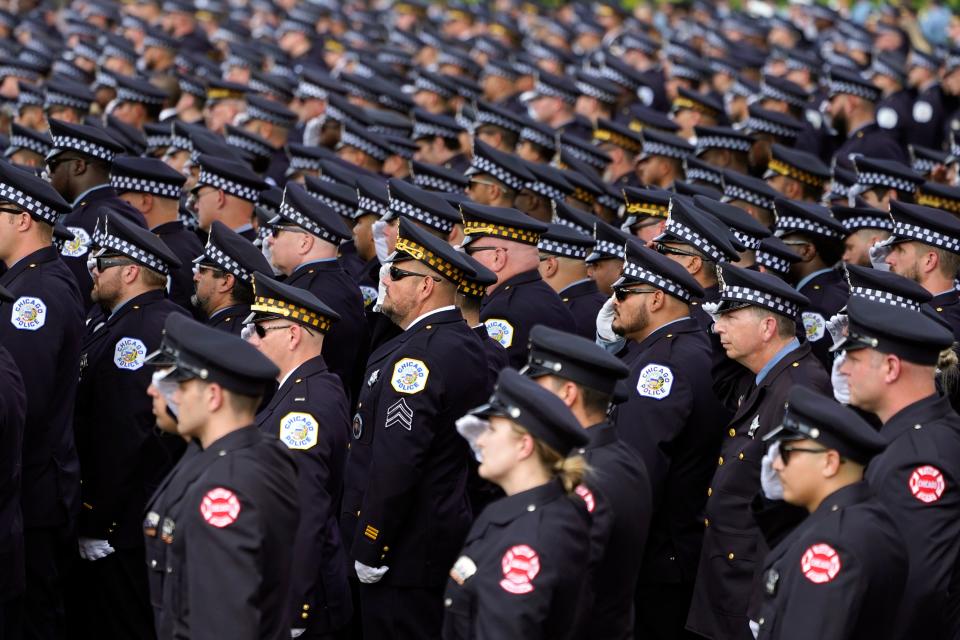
(83, 195)
(810, 276)
(791, 346)
(429, 313)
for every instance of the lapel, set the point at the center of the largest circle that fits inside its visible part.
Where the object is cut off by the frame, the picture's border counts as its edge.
(40, 256)
(512, 507)
(309, 368)
(751, 402)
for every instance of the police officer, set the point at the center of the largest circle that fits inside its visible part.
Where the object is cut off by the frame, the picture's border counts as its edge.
(227, 513)
(122, 457)
(757, 328)
(311, 416)
(863, 227)
(842, 571)
(562, 253)
(606, 259)
(226, 190)
(584, 376)
(43, 334)
(223, 278)
(524, 565)
(892, 354)
(404, 508)
(505, 241)
(470, 294)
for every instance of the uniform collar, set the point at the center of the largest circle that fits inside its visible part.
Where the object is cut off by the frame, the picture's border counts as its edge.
(306, 369)
(810, 276)
(94, 193)
(141, 300)
(239, 439)
(680, 325)
(512, 507)
(922, 411)
(441, 316)
(785, 351)
(167, 227)
(46, 254)
(600, 435)
(580, 286)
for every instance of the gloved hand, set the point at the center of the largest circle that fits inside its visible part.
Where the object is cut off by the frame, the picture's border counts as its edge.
(879, 252)
(470, 427)
(91, 549)
(769, 480)
(311, 130)
(841, 385)
(837, 326)
(606, 338)
(369, 575)
(754, 628)
(166, 389)
(380, 240)
(296, 633)
(381, 288)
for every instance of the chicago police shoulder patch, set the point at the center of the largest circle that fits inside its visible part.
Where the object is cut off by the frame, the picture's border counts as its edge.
(79, 245)
(299, 430)
(28, 314)
(409, 376)
(129, 354)
(500, 330)
(813, 325)
(655, 381)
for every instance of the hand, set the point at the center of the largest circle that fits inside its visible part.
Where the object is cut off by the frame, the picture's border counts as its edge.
(711, 308)
(841, 385)
(769, 480)
(878, 254)
(380, 240)
(470, 427)
(369, 575)
(92, 549)
(381, 288)
(837, 326)
(296, 633)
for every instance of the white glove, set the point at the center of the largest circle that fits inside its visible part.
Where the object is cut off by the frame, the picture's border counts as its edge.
(166, 389)
(267, 252)
(710, 308)
(311, 130)
(296, 633)
(381, 288)
(91, 549)
(769, 480)
(369, 575)
(837, 326)
(754, 628)
(380, 240)
(841, 385)
(878, 254)
(470, 427)
(606, 338)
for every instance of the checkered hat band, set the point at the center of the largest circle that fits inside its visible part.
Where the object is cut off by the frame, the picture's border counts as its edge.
(770, 261)
(192, 88)
(476, 227)
(588, 89)
(437, 263)
(687, 234)
(485, 165)
(776, 94)
(295, 216)
(83, 146)
(608, 248)
(634, 270)
(303, 162)
(927, 236)
(37, 209)
(570, 224)
(130, 250)
(741, 90)
(839, 86)
(878, 295)
(254, 147)
(697, 173)
(429, 130)
(882, 68)
(768, 126)
(648, 209)
(922, 61)
(105, 80)
(85, 51)
(609, 201)
(32, 144)
(287, 310)
(796, 223)
(342, 208)
(127, 95)
(495, 119)
(369, 205)
(54, 99)
(124, 183)
(308, 90)
(722, 142)
(585, 156)
(873, 179)
(760, 299)
(181, 143)
(260, 87)
(27, 98)
(231, 187)
(255, 113)
(491, 70)
(923, 165)
(424, 84)
(111, 51)
(562, 248)
(150, 41)
(17, 73)
(651, 148)
(433, 183)
(409, 210)
(615, 76)
(736, 192)
(790, 171)
(352, 140)
(750, 242)
(223, 260)
(536, 137)
(867, 222)
(946, 204)
(544, 89)
(837, 191)
(154, 142)
(688, 73)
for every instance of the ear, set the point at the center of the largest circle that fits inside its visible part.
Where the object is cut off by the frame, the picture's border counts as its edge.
(79, 167)
(221, 199)
(226, 283)
(526, 446)
(146, 202)
(831, 464)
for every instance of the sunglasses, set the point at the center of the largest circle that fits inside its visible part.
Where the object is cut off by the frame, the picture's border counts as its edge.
(664, 250)
(622, 293)
(786, 450)
(471, 249)
(397, 274)
(275, 229)
(105, 262)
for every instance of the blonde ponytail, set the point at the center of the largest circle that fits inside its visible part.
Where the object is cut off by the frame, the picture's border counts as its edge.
(947, 367)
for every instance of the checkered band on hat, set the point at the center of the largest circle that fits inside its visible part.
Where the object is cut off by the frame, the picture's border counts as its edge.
(435, 183)
(18, 72)
(153, 41)
(688, 235)
(929, 200)
(874, 179)
(29, 143)
(497, 120)
(760, 299)
(307, 90)
(410, 210)
(952, 62)
(56, 99)
(29, 98)
(492, 69)
(680, 70)
(485, 165)
(304, 163)
(923, 165)
(615, 76)
(565, 249)
(747, 240)
(721, 66)
(923, 61)
(704, 174)
(608, 201)
(192, 88)
(256, 113)
(722, 142)
(125, 94)
(233, 188)
(588, 89)
(861, 91)
(546, 190)
(570, 224)
(634, 270)
(104, 80)
(472, 289)
(370, 205)
(886, 297)
(740, 89)
(124, 183)
(772, 262)
(607, 249)
(37, 209)
(585, 156)
(103, 238)
(867, 222)
(736, 192)
(349, 139)
(423, 83)
(478, 227)
(537, 137)
(181, 143)
(544, 89)
(294, 215)
(111, 51)
(768, 126)
(260, 87)
(790, 171)
(774, 93)
(882, 68)
(926, 236)
(342, 208)
(796, 223)
(283, 308)
(430, 130)
(219, 257)
(157, 141)
(651, 148)
(83, 146)
(838, 191)
(247, 144)
(437, 263)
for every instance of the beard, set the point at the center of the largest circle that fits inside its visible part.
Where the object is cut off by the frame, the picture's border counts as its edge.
(840, 124)
(625, 326)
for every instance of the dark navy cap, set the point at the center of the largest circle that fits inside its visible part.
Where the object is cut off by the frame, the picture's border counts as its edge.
(312, 215)
(854, 219)
(738, 186)
(218, 89)
(230, 252)
(248, 142)
(63, 92)
(917, 223)
(744, 288)
(886, 287)
(595, 86)
(902, 332)
(198, 351)
(304, 158)
(416, 243)
(642, 204)
(84, 139)
(887, 174)
(646, 265)
(501, 222)
(536, 409)
(776, 256)
(131, 138)
(646, 119)
(809, 415)
(274, 299)
(436, 178)
(582, 221)
(159, 135)
(230, 176)
(939, 196)
(659, 143)
(774, 123)
(572, 357)
(841, 183)
(31, 193)
(30, 95)
(430, 125)
(317, 83)
(504, 167)
(608, 131)
(486, 113)
(548, 182)
(721, 138)
(794, 216)
(925, 159)
(146, 175)
(689, 225)
(554, 86)
(270, 111)
(783, 90)
(690, 189)
(339, 171)
(539, 134)
(409, 201)
(372, 144)
(28, 139)
(799, 165)
(565, 242)
(114, 234)
(689, 99)
(337, 196)
(851, 82)
(373, 197)
(610, 243)
(746, 229)
(579, 149)
(698, 171)
(133, 89)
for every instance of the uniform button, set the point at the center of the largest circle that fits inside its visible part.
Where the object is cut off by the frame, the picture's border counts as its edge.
(153, 564)
(732, 432)
(385, 549)
(447, 602)
(429, 326)
(298, 381)
(816, 287)
(706, 522)
(669, 335)
(169, 570)
(720, 462)
(304, 615)
(306, 607)
(940, 309)
(222, 453)
(917, 426)
(796, 364)
(531, 507)
(709, 491)
(566, 299)
(760, 621)
(730, 556)
(740, 456)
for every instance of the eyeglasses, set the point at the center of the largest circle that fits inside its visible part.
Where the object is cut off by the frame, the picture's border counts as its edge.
(275, 229)
(12, 211)
(217, 271)
(105, 262)
(786, 450)
(473, 182)
(199, 193)
(795, 243)
(396, 273)
(622, 293)
(545, 258)
(664, 250)
(471, 249)
(261, 330)
(53, 163)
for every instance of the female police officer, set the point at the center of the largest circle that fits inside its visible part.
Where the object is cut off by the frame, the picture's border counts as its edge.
(525, 560)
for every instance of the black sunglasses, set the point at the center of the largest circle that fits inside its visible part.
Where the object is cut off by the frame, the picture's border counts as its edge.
(664, 250)
(786, 450)
(105, 262)
(622, 293)
(396, 273)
